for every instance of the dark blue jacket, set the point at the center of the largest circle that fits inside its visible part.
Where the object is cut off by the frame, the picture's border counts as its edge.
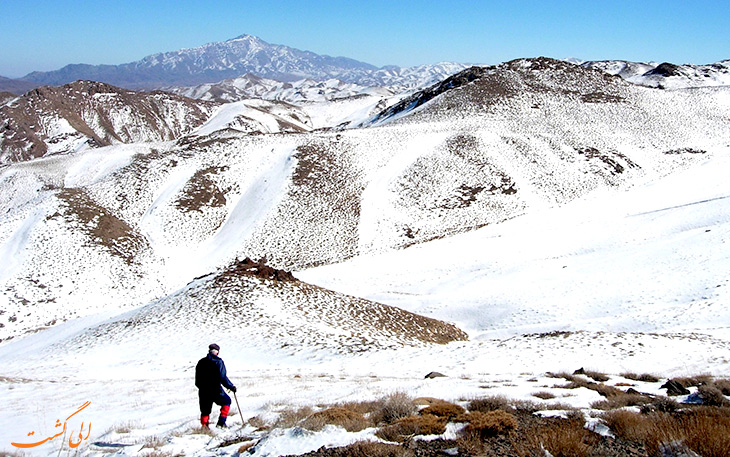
(210, 373)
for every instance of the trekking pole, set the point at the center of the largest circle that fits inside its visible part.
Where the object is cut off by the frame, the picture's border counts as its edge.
(239, 409)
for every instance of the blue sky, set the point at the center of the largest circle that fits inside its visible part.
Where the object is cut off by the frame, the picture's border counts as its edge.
(46, 35)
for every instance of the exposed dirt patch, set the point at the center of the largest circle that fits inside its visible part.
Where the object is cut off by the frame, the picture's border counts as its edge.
(201, 191)
(103, 227)
(608, 158)
(682, 151)
(257, 269)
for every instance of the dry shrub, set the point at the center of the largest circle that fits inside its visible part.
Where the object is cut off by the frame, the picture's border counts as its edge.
(705, 430)
(154, 442)
(362, 407)
(712, 396)
(200, 430)
(492, 423)
(259, 423)
(526, 406)
(349, 420)
(644, 377)
(660, 404)
(723, 385)
(427, 401)
(246, 446)
(407, 427)
(370, 449)
(693, 381)
(491, 403)
(444, 409)
(596, 376)
(393, 407)
(621, 401)
(544, 395)
(291, 417)
(569, 438)
(629, 425)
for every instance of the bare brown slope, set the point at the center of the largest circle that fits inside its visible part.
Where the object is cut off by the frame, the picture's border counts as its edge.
(98, 113)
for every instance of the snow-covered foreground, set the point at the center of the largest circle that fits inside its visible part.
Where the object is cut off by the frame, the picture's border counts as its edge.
(633, 280)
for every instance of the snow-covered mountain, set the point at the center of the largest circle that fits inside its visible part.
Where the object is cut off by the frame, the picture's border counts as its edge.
(666, 75)
(235, 58)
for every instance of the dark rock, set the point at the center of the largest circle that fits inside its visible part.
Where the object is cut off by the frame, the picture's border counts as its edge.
(674, 388)
(435, 374)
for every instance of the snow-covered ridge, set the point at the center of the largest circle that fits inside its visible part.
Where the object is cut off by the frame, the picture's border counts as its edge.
(666, 75)
(512, 141)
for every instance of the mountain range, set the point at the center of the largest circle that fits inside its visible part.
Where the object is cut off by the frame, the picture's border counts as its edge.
(234, 58)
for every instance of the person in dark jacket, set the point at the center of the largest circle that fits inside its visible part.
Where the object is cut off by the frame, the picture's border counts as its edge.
(210, 379)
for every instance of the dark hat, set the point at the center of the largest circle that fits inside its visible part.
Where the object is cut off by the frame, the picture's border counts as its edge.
(214, 346)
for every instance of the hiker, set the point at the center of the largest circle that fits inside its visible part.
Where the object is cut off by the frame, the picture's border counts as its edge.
(210, 378)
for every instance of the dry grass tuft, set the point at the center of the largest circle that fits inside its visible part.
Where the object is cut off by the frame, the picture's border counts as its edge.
(259, 423)
(246, 446)
(705, 430)
(544, 395)
(644, 377)
(371, 449)
(491, 403)
(566, 439)
(406, 428)
(712, 396)
(200, 430)
(154, 442)
(492, 423)
(291, 417)
(444, 409)
(345, 418)
(393, 407)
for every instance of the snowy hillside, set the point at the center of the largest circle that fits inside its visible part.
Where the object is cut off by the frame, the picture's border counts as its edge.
(473, 152)
(654, 252)
(666, 75)
(50, 120)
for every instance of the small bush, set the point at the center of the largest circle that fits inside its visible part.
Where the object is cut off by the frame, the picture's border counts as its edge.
(444, 409)
(712, 396)
(291, 417)
(705, 430)
(597, 376)
(621, 401)
(492, 403)
(492, 423)
(395, 406)
(371, 449)
(567, 439)
(645, 377)
(259, 423)
(693, 381)
(349, 420)
(545, 395)
(246, 446)
(154, 442)
(407, 427)
(723, 385)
